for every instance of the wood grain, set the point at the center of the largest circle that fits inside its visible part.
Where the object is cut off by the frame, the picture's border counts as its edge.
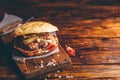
(91, 27)
(84, 72)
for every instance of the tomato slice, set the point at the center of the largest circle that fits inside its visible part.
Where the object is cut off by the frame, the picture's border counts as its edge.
(51, 46)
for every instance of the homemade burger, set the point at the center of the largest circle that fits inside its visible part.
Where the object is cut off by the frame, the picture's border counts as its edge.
(35, 38)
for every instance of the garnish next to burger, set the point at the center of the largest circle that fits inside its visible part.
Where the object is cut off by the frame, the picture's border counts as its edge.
(35, 38)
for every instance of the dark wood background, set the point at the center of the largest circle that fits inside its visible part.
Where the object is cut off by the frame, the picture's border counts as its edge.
(83, 25)
(78, 8)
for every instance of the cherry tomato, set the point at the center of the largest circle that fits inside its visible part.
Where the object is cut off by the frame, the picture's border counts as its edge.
(70, 51)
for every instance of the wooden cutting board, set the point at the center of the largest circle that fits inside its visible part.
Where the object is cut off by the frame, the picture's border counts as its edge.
(38, 66)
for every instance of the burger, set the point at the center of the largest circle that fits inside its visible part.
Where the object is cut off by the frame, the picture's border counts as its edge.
(35, 38)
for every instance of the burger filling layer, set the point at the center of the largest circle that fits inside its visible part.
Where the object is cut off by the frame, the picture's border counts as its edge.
(36, 44)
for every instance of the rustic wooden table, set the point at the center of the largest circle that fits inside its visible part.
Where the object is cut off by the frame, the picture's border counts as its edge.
(92, 28)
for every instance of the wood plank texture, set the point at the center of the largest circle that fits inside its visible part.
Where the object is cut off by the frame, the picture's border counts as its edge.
(91, 27)
(84, 72)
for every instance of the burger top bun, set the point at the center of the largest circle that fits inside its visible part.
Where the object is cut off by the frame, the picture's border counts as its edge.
(34, 27)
